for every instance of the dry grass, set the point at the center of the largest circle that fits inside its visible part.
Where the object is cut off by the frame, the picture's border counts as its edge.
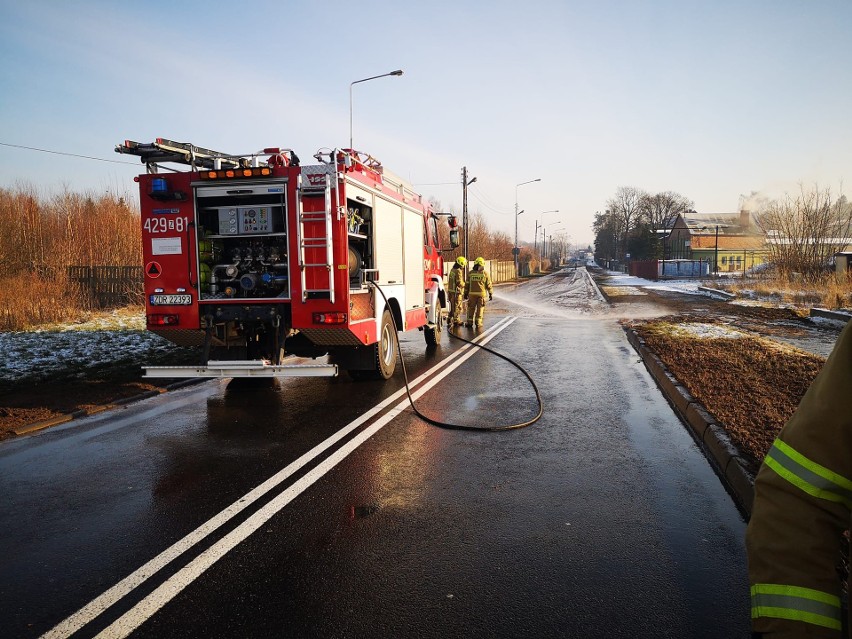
(28, 300)
(749, 384)
(824, 291)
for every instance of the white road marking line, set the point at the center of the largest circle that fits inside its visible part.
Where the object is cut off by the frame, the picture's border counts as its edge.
(97, 606)
(175, 584)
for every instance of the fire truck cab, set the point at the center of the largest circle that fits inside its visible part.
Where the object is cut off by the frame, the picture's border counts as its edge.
(254, 258)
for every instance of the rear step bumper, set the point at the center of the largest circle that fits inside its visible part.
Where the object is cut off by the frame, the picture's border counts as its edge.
(243, 368)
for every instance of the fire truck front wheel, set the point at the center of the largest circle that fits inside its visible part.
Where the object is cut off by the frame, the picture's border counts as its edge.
(433, 333)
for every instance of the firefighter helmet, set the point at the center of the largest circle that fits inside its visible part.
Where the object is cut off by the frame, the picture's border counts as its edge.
(461, 260)
(479, 261)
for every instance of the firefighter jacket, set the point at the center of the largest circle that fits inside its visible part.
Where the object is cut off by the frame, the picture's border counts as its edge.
(478, 284)
(455, 280)
(803, 494)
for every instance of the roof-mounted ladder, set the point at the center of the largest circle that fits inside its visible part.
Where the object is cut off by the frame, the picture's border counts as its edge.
(164, 150)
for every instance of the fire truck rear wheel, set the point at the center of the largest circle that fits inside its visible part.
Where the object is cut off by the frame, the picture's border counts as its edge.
(383, 353)
(386, 348)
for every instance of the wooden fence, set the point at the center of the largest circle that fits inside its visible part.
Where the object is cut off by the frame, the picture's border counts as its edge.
(109, 286)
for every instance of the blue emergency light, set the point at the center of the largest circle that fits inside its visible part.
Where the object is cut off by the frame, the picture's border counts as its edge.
(159, 186)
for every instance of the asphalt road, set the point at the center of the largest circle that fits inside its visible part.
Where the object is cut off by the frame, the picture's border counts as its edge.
(325, 508)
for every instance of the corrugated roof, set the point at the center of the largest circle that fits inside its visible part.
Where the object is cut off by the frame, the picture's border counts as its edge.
(723, 220)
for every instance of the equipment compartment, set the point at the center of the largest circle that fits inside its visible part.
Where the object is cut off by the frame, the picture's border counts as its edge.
(242, 241)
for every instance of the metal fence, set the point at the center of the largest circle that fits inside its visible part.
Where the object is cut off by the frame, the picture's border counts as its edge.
(109, 286)
(662, 269)
(500, 271)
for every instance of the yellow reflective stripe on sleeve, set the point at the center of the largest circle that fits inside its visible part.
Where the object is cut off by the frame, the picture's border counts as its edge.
(796, 603)
(807, 475)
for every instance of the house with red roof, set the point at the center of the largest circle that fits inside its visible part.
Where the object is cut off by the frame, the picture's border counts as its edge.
(728, 242)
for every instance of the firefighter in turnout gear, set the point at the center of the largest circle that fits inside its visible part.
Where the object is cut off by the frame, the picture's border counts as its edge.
(478, 286)
(803, 495)
(455, 290)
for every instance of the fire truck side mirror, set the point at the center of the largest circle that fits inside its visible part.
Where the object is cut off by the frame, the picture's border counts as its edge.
(454, 237)
(453, 221)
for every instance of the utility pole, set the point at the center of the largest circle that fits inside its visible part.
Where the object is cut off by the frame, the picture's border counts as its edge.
(535, 244)
(716, 253)
(465, 183)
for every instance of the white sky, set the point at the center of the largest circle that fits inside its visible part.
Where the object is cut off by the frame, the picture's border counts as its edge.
(712, 99)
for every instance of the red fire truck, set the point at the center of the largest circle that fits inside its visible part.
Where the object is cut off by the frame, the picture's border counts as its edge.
(254, 258)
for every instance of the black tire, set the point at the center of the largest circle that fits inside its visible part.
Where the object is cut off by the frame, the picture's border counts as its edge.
(384, 353)
(385, 348)
(433, 333)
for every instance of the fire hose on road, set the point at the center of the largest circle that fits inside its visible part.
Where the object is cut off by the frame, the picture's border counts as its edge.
(450, 425)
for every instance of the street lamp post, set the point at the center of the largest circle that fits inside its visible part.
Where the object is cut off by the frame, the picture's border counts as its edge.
(543, 236)
(383, 75)
(535, 241)
(517, 250)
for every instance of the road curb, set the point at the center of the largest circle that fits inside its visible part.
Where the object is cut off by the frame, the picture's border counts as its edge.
(595, 286)
(707, 432)
(714, 292)
(824, 313)
(86, 412)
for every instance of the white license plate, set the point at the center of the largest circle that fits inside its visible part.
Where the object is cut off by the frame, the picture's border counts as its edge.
(171, 300)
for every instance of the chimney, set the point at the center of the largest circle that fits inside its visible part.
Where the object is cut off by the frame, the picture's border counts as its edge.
(745, 220)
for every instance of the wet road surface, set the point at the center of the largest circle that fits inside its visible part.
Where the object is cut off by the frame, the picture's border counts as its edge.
(325, 508)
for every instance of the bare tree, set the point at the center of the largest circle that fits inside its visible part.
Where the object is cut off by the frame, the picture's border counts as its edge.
(626, 206)
(805, 232)
(658, 212)
(66, 229)
(661, 210)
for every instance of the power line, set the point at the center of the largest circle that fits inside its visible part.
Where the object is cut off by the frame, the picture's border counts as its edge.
(488, 203)
(433, 183)
(73, 155)
(488, 206)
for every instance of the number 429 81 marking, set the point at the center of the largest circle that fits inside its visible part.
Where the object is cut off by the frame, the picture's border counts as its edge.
(166, 224)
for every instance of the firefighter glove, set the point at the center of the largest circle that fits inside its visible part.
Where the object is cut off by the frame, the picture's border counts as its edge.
(490, 297)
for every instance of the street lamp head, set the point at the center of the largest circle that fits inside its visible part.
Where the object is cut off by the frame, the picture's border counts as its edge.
(471, 181)
(529, 182)
(352, 84)
(521, 211)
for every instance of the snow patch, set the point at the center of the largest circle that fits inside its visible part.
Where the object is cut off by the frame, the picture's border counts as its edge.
(706, 331)
(101, 340)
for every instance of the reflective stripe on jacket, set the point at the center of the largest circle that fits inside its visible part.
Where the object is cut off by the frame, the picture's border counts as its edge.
(455, 280)
(796, 604)
(803, 496)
